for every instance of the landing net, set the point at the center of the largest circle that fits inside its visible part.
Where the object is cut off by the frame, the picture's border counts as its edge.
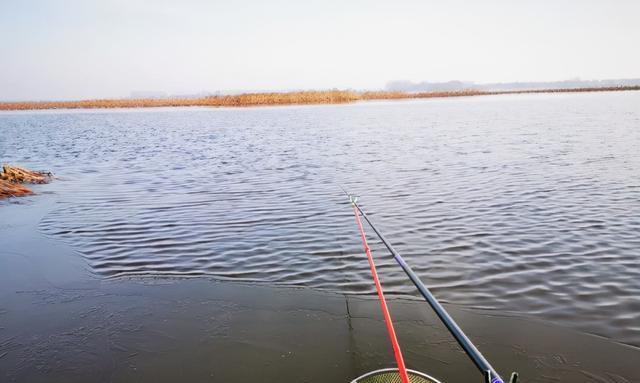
(391, 375)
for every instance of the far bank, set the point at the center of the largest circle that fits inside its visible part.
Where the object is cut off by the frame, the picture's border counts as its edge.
(280, 98)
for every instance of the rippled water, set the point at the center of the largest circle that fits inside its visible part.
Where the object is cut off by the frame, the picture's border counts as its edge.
(526, 204)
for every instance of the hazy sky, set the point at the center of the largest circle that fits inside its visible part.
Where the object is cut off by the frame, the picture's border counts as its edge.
(57, 49)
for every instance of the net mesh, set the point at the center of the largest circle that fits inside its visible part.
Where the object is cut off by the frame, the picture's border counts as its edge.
(392, 376)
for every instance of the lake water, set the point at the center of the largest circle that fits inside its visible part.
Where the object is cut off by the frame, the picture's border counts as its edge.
(525, 205)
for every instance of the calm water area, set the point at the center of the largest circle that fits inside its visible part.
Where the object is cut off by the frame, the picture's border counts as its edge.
(192, 243)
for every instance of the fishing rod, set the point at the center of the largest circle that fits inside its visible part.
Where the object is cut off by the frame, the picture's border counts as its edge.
(402, 369)
(469, 348)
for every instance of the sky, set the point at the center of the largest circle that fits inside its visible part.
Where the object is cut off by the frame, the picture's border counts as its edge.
(78, 49)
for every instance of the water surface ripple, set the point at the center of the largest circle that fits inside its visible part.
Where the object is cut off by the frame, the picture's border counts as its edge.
(526, 204)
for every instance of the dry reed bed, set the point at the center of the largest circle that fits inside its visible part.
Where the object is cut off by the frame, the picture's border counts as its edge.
(282, 98)
(247, 99)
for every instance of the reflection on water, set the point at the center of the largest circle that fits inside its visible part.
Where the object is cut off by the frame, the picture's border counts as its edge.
(526, 204)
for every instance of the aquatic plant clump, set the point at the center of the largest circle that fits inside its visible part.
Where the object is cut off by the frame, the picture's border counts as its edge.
(12, 178)
(8, 189)
(18, 175)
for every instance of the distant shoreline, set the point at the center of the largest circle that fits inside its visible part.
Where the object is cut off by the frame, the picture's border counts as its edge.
(282, 98)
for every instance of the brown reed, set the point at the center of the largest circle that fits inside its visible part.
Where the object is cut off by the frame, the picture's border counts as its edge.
(277, 98)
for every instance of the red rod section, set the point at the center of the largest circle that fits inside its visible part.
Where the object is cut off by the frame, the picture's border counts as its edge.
(402, 369)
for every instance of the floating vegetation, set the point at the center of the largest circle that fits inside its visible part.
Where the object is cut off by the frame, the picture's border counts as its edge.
(12, 179)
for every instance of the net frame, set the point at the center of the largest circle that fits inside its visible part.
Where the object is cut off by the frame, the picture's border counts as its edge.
(427, 378)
